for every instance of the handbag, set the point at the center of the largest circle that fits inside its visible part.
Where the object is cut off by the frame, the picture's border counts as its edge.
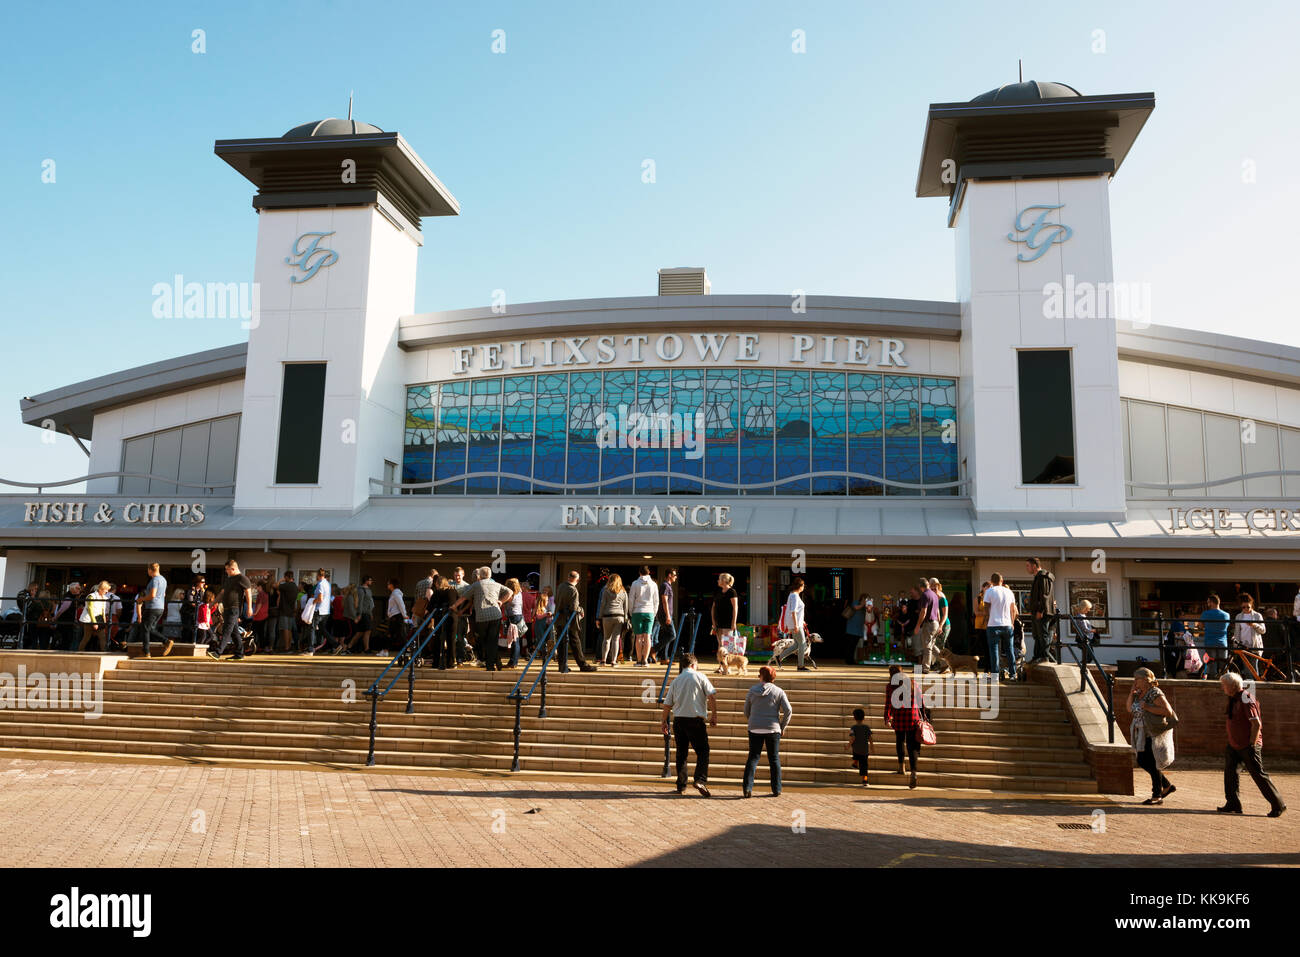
(847, 613)
(1157, 724)
(925, 731)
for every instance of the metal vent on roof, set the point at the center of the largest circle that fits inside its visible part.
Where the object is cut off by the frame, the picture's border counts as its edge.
(683, 281)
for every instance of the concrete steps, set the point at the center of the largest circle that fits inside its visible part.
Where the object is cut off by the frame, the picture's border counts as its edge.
(313, 710)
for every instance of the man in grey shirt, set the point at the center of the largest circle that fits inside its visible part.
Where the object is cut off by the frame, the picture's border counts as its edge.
(689, 696)
(484, 597)
(768, 711)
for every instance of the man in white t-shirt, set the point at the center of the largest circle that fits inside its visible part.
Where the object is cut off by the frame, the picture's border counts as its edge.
(1001, 603)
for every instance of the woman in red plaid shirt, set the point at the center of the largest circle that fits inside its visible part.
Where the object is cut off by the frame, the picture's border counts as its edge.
(903, 714)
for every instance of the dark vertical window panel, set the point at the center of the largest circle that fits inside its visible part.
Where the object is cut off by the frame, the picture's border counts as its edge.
(902, 433)
(721, 427)
(654, 402)
(829, 422)
(688, 407)
(549, 446)
(757, 430)
(793, 430)
(585, 390)
(616, 458)
(517, 435)
(1046, 417)
(484, 436)
(866, 449)
(302, 415)
(166, 461)
(452, 440)
(939, 433)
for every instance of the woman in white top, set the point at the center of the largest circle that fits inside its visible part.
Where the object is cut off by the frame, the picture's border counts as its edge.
(171, 622)
(1249, 625)
(794, 610)
(94, 616)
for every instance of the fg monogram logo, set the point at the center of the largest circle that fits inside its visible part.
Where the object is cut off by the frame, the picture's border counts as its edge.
(1038, 235)
(311, 258)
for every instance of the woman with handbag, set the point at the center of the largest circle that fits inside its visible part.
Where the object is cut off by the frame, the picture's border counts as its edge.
(512, 611)
(612, 611)
(905, 714)
(1152, 732)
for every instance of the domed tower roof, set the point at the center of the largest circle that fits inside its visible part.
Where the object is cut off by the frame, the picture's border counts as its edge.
(330, 127)
(1027, 91)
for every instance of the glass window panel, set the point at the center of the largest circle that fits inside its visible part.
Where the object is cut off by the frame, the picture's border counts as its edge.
(420, 432)
(194, 458)
(453, 430)
(584, 410)
(829, 418)
(1223, 438)
(484, 435)
(866, 433)
(757, 429)
(517, 435)
(223, 452)
(659, 429)
(721, 428)
(688, 407)
(1261, 456)
(793, 432)
(1123, 428)
(166, 461)
(137, 457)
(939, 433)
(302, 416)
(1186, 451)
(902, 433)
(552, 428)
(617, 458)
(1147, 444)
(1291, 460)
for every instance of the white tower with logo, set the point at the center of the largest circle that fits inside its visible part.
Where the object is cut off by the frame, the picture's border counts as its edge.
(1026, 169)
(339, 206)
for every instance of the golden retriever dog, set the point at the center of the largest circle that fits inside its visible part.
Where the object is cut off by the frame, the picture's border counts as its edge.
(957, 663)
(727, 661)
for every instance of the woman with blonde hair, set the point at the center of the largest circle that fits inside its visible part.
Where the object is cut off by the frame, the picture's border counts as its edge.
(612, 612)
(725, 607)
(94, 616)
(512, 610)
(1151, 732)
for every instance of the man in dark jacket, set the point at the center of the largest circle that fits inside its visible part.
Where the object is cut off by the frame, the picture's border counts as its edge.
(568, 601)
(1042, 605)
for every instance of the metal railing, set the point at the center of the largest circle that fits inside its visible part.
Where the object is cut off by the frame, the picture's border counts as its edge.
(145, 476)
(693, 617)
(551, 648)
(405, 659)
(1082, 648)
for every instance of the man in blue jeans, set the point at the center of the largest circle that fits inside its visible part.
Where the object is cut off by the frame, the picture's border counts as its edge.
(1214, 630)
(150, 605)
(1001, 603)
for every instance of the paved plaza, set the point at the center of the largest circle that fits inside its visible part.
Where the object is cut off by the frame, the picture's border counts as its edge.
(82, 813)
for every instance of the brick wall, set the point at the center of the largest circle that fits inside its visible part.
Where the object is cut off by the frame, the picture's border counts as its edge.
(1200, 705)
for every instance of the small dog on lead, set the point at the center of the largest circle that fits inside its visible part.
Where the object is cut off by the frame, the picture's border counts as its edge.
(957, 663)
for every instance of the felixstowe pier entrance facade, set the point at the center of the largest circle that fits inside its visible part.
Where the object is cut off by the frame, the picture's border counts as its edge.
(868, 440)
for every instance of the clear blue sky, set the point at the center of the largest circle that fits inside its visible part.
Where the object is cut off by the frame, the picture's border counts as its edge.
(776, 171)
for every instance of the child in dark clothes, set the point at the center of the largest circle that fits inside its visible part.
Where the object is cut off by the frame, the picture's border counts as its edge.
(860, 742)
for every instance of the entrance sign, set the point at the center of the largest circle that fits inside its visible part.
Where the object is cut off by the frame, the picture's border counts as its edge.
(637, 516)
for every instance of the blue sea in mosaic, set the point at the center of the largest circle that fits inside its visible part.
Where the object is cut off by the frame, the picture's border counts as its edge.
(735, 431)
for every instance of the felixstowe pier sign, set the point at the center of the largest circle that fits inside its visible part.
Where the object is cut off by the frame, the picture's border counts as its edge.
(701, 348)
